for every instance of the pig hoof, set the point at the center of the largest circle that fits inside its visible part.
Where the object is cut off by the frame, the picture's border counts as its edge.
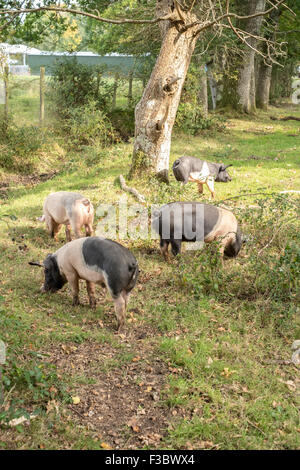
(120, 327)
(93, 304)
(75, 302)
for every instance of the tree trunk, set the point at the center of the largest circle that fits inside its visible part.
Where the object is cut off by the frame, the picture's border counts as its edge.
(263, 85)
(130, 83)
(155, 113)
(202, 95)
(212, 85)
(245, 87)
(265, 66)
(252, 95)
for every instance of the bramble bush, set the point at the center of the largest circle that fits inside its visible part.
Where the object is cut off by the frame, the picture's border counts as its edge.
(89, 125)
(82, 99)
(268, 267)
(73, 85)
(190, 118)
(20, 146)
(27, 380)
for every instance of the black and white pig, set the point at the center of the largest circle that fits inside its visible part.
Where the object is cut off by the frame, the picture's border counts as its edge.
(98, 261)
(71, 209)
(201, 172)
(179, 222)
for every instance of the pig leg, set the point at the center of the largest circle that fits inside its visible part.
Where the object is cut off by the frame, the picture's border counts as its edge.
(88, 230)
(68, 233)
(90, 287)
(164, 247)
(211, 187)
(126, 296)
(76, 229)
(176, 247)
(56, 229)
(222, 246)
(120, 308)
(74, 284)
(200, 187)
(53, 227)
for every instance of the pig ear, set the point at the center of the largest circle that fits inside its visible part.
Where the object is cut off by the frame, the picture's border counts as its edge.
(35, 263)
(223, 167)
(48, 261)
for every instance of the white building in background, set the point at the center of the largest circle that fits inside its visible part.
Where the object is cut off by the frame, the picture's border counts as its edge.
(15, 57)
(24, 60)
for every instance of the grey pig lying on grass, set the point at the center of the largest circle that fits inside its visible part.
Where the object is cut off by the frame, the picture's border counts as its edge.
(71, 209)
(97, 261)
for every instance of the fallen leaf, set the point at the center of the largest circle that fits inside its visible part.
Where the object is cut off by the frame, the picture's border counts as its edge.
(75, 400)
(227, 373)
(205, 445)
(136, 359)
(133, 425)
(106, 446)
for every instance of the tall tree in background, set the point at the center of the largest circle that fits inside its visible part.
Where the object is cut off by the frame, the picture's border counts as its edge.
(288, 31)
(264, 75)
(246, 80)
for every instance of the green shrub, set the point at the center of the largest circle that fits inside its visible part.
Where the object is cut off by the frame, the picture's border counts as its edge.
(190, 120)
(20, 146)
(73, 85)
(88, 125)
(268, 267)
(37, 384)
(123, 122)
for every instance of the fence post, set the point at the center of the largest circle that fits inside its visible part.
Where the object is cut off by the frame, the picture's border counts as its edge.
(115, 89)
(42, 95)
(130, 97)
(6, 72)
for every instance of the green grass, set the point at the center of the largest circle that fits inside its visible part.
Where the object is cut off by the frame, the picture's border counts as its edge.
(222, 336)
(24, 99)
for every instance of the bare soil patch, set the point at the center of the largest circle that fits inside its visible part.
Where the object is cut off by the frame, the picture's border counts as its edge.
(123, 403)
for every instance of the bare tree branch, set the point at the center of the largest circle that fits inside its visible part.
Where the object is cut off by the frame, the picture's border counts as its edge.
(171, 16)
(84, 13)
(209, 19)
(217, 21)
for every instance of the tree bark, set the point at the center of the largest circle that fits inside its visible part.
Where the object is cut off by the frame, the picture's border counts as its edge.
(245, 87)
(202, 95)
(213, 85)
(252, 95)
(155, 113)
(263, 85)
(265, 66)
(130, 83)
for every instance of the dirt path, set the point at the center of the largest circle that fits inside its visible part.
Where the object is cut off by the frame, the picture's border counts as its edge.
(123, 402)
